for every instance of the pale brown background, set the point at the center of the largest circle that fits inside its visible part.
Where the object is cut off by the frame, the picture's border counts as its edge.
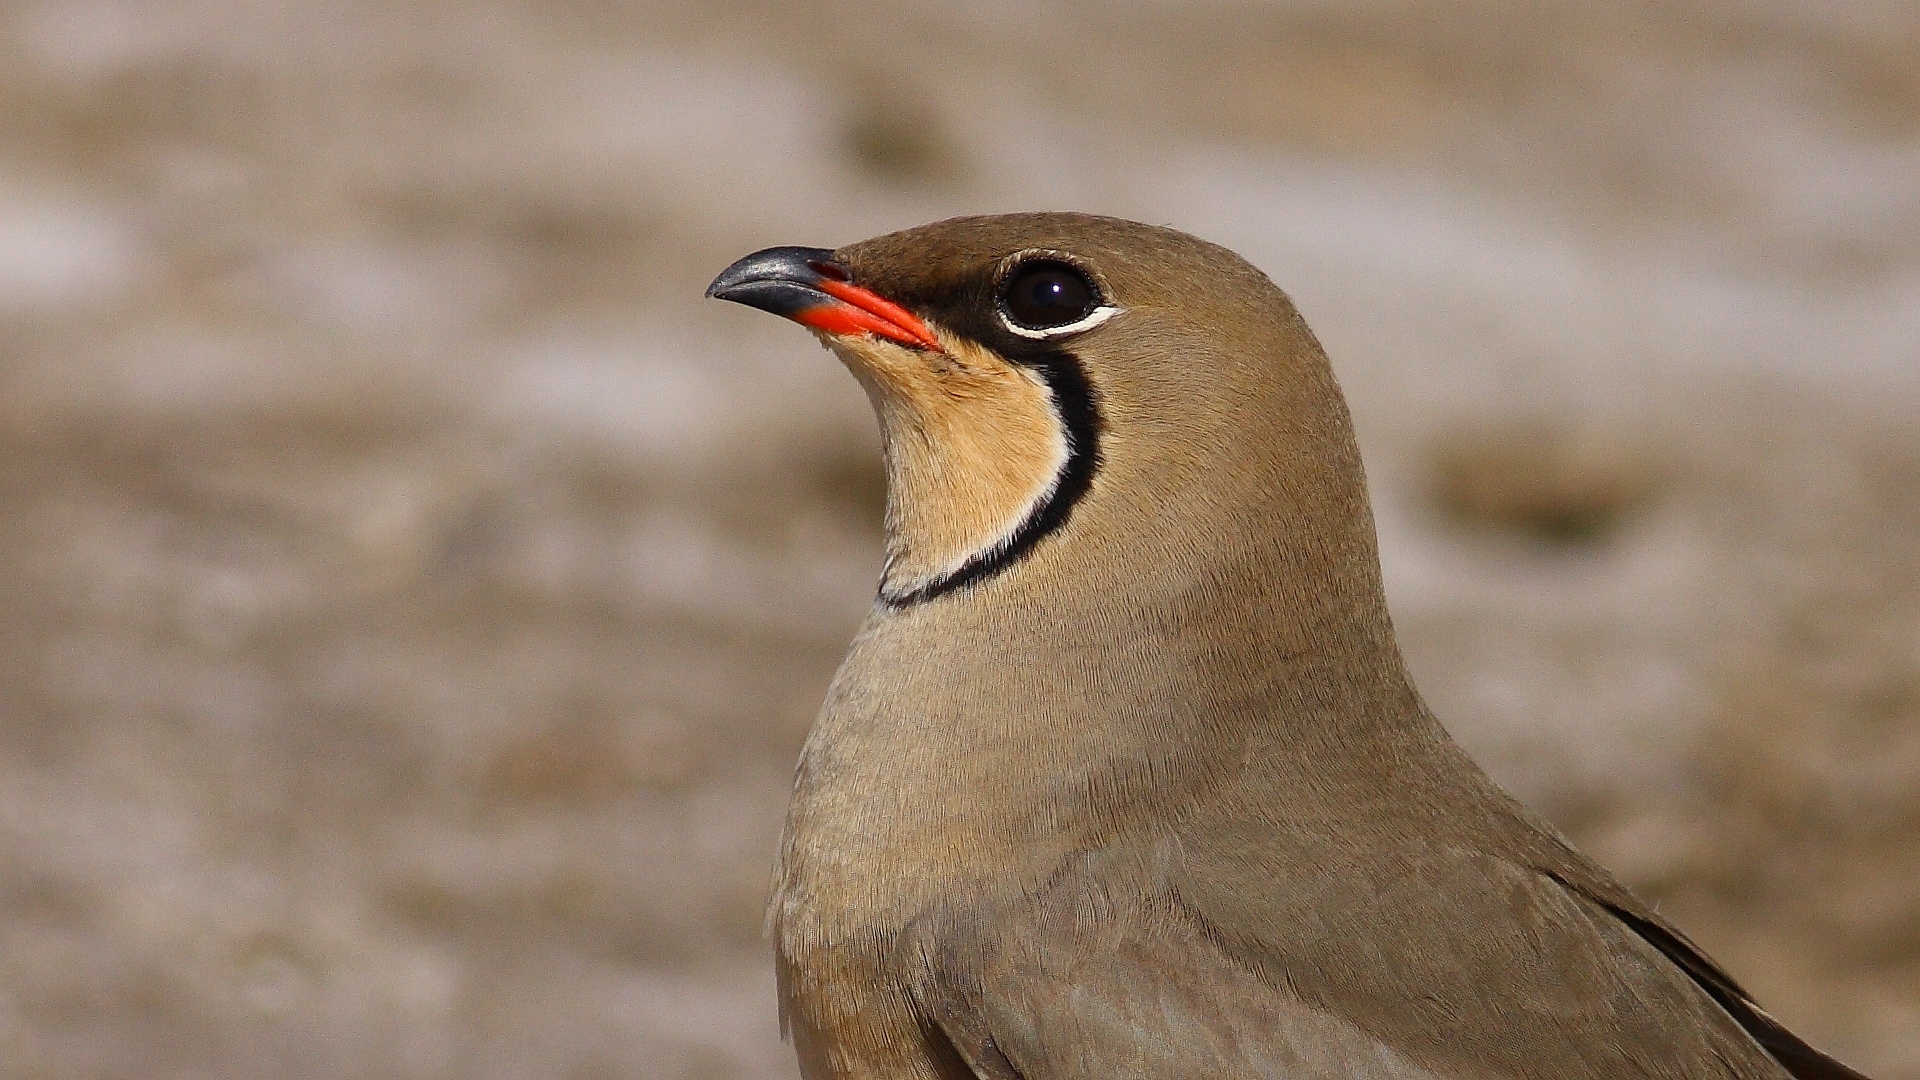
(413, 594)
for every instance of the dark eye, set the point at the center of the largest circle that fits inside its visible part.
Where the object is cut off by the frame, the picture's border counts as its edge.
(1046, 293)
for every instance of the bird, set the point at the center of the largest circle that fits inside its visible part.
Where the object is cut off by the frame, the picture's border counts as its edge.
(1124, 775)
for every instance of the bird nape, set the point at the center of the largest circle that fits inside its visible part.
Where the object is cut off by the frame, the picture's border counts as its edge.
(1125, 775)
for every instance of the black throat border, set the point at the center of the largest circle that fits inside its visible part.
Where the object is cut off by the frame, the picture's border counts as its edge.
(1077, 406)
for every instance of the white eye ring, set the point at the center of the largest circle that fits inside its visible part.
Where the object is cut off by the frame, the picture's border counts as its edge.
(1093, 318)
(1012, 264)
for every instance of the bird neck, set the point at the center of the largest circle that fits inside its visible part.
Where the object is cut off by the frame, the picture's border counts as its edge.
(1207, 627)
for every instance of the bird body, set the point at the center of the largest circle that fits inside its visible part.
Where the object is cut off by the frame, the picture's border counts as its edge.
(1124, 776)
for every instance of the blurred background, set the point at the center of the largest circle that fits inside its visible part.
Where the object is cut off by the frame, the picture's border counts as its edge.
(413, 594)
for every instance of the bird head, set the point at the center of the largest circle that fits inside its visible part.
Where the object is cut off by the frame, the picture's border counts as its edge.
(1073, 403)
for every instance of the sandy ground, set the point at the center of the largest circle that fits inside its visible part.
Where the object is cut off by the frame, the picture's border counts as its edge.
(415, 595)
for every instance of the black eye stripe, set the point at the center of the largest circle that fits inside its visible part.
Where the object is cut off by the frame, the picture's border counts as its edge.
(1043, 294)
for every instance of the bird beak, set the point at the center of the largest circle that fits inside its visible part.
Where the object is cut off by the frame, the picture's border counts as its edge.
(809, 287)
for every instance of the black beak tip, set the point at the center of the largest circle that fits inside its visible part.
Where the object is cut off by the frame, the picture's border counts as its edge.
(770, 271)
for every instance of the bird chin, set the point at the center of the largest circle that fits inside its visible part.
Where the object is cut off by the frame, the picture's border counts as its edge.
(973, 444)
(883, 366)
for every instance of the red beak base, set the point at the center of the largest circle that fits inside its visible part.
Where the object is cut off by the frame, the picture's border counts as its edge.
(861, 311)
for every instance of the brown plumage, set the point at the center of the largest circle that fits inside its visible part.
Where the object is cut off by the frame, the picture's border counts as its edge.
(1124, 776)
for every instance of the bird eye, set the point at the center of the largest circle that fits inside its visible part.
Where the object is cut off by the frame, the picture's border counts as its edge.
(1047, 294)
